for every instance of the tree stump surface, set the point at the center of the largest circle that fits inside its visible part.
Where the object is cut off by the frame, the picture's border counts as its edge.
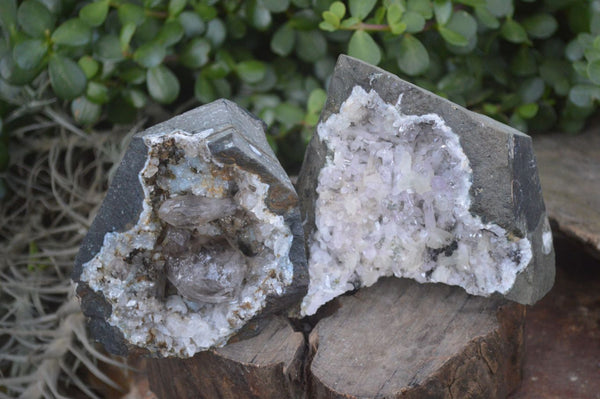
(569, 168)
(268, 365)
(403, 339)
(396, 339)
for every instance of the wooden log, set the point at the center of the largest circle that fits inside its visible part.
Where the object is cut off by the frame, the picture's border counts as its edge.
(268, 365)
(570, 176)
(400, 339)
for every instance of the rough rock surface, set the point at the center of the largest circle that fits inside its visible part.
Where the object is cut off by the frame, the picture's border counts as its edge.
(421, 188)
(199, 233)
(570, 176)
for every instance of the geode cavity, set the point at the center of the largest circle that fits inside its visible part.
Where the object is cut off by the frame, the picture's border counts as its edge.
(199, 233)
(398, 181)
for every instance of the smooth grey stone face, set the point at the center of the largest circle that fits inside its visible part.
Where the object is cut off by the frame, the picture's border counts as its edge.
(503, 191)
(200, 230)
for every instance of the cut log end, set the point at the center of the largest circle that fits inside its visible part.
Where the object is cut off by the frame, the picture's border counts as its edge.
(268, 365)
(396, 339)
(399, 339)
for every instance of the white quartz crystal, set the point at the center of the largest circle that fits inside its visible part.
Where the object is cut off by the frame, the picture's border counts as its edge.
(203, 256)
(393, 199)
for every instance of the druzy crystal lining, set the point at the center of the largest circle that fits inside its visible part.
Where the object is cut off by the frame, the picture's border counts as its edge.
(393, 199)
(203, 256)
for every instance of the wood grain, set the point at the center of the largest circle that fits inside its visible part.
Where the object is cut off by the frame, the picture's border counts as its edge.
(268, 365)
(400, 339)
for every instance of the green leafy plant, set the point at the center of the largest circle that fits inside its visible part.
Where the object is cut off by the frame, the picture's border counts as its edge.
(534, 65)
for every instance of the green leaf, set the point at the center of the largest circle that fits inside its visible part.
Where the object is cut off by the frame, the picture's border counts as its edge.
(398, 28)
(162, 84)
(528, 111)
(85, 112)
(394, 13)
(192, 24)
(15, 75)
(251, 71)
(282, 42)
(131, 13)
(593, 71)
(523, 62)
(149, 54)
(108, 48)
(94, 14)
(349, 22)
(338, 8)
(452, 37)
(97, 93)
(171, 33)
(362, 46)
(67, 79)
(289, 114)
(332, 19)
(555, 72)
(532, 90)
(73, 32)
(500, 8)
(216, 32)
(276, 6)
(175, 7)
(206, 12)
(574, 51)
(89, 66)
(473, 3)
(316, 101)
(8, 14)
(136, 98)
(487, 18)
(584, 95)
(195, 53)
(134, 75)
(424, 8)
(127, 32)
(361, 8)
(540, 26)
(30, 53)
(326, 26)
(442, 10)
(34, 18)
(517, 122)
(413, 58)
(204, 90)
(464, 24)
(513, 32)
(414, 21)
(258, 15)
(311, 45)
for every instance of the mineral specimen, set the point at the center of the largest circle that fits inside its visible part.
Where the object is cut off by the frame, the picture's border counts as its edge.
(398, 181)
(200, 232)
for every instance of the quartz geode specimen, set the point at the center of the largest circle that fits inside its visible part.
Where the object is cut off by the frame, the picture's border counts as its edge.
(398, 181)
(199, 233)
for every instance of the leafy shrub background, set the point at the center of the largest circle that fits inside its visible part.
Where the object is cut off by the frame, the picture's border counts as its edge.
(76, 77)
(533, 64)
